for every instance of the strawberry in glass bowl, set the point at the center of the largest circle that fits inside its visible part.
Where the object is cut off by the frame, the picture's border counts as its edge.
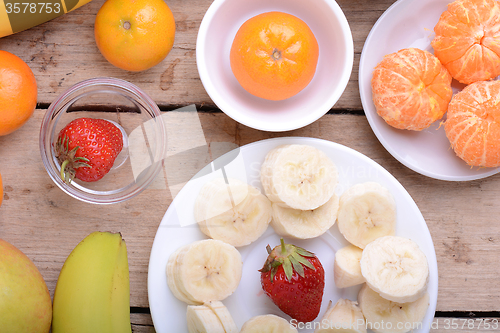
(103, 141)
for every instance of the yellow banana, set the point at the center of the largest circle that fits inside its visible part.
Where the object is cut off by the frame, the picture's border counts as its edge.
(19, 15)
(93, 290)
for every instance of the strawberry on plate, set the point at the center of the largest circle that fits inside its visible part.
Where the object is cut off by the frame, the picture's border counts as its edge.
(294, 279)
(87, 149)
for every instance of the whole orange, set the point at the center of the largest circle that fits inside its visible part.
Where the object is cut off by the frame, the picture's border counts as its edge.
(18, 92)
(134, 35)
(274, 55)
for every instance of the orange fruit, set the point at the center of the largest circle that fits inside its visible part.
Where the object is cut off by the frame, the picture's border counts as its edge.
(274, 55)
(473, 124)
(18, 92)
(411, 89)
(467, 40)
(134, 35)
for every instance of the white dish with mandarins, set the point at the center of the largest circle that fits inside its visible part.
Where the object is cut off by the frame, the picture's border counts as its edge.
(292, 235)
(451, 130)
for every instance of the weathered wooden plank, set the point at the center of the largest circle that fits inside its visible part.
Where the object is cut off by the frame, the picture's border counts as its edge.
(47, 224)
(63, 52)
(472, 324)
(142, 323)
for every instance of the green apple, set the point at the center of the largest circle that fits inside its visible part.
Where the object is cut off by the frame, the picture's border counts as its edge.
(25, 305)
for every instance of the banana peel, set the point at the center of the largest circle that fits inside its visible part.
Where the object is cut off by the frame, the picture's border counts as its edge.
(93, 289)
(19, 15)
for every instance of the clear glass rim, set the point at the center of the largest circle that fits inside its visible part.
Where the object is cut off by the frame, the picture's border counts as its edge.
(47, 130)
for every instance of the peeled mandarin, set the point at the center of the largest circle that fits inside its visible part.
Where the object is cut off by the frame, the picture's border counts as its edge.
(411, 89)
(467, 40)
(473, 124)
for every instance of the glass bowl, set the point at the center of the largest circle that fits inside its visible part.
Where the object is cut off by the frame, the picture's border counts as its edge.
(133, 112)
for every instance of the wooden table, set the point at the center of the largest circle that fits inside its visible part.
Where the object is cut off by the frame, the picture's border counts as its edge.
(46, 224)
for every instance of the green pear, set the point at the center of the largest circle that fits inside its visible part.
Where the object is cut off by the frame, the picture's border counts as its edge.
(25, 305)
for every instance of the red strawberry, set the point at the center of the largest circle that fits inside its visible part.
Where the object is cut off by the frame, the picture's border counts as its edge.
(87, 149)
(294, 279)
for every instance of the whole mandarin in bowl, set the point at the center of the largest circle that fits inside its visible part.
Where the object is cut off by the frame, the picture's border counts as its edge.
(274, 55)
(333, 67)
(18, 92)
(134, 35)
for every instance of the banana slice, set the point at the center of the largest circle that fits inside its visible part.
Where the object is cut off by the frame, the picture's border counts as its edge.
(267, 324)
(396, 268)
(298, 176)
(345, 316)
(384, 316)
(346, 267)
(224, 316)
(172, 284)
(367, 211)
(235, 213)
(266, 173)
(203, 271)
(201, 319)
(304, 224)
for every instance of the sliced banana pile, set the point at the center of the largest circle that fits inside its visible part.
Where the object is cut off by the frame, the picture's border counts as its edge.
(233, 212)
(299, 202)
(267, 324)
(395, 268)
(204, 271)
(367, 211)
(394, 297)
(300, 181)
(395, 293)
(345, 316)
(384, 316)
(211, 317)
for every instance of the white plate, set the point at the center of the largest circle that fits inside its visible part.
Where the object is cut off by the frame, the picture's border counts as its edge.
(410, 23)
(169, 314)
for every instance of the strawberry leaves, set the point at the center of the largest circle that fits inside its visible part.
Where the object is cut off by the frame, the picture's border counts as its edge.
(290, 257)
(294, 279)
(71, 162)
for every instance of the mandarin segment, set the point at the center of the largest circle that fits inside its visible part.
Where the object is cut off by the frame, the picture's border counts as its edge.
(473, 124)
(467, 40)
(411, 89)
(274, 55)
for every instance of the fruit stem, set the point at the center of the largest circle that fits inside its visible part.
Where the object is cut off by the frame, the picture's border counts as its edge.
(126, 25)
(276, 55)
(283, 247)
